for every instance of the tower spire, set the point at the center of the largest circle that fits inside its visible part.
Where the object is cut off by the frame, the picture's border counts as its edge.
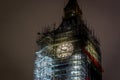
(72, 9)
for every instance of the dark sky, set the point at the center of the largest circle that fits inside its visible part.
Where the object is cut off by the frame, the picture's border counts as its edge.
(20, 20)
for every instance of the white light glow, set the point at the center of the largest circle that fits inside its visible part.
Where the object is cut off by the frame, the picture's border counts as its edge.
(77, 56)
(43, 67)
(76, 78)
(76, 73)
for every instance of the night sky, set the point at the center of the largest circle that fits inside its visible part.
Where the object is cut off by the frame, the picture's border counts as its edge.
(20, 20)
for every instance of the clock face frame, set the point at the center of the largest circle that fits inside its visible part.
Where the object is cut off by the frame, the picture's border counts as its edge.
(92, 51)
(64, 50)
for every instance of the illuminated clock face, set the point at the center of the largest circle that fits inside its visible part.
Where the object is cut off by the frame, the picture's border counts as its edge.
(64, 50)
(92, 51)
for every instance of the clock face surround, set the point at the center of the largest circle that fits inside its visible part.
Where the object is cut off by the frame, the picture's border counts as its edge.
(90, 48)
(64, 50)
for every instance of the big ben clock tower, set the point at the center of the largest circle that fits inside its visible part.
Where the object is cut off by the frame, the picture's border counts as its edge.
(70, 52)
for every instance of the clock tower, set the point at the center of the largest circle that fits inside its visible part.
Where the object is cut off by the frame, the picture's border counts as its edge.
(69, 52)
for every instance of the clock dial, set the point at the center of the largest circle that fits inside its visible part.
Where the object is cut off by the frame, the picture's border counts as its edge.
(64, 50)
(90, 48)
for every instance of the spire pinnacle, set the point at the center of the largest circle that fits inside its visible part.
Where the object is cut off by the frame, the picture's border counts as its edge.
(72, 8)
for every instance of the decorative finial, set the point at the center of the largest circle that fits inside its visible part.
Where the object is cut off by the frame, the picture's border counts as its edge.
(72, 9)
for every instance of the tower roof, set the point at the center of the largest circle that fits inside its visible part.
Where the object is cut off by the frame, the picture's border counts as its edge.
(72, 8)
